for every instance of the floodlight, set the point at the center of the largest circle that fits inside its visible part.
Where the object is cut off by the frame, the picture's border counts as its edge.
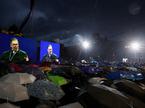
(135, 46)
(86, 44)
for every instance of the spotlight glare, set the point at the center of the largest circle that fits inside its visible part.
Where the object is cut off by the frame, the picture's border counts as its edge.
(86, 44)
(135, 46)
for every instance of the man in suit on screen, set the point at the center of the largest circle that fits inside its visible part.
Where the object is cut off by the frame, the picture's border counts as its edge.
(50, 56)
(15, 55)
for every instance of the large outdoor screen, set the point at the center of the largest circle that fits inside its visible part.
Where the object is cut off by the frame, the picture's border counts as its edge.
(26, 44)
(43, 48)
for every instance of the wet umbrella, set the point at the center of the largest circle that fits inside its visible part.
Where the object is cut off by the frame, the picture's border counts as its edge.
(67, 71)
(35, 71)
(109, 97)
(18, 78)
(72, 105)
(96, 80)
(45, 90)
(130, 88)
(8, 105)
(13, 92)
(56, 79)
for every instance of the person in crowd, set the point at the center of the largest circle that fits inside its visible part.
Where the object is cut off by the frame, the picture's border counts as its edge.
(15, 55)
(50, 56)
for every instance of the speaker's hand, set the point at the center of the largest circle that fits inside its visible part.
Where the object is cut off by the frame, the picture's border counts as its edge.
(27, 58)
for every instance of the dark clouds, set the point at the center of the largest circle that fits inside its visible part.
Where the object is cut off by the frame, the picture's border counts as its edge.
(10, 10)
(112, 18)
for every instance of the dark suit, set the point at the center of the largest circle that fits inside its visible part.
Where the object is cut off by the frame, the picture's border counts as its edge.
(17, 57)
(49, 58)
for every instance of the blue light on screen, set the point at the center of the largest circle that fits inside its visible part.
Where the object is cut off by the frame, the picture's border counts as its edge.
(44, 46)
(26, 44)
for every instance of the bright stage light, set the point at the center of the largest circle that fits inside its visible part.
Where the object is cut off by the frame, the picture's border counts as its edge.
(135, 46)
(86, 44)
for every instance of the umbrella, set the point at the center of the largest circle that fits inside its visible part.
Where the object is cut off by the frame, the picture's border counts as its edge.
(35, 71)
(109, 97)
(18, 78)
(67, 71)
(96, 80)
(132, 69)
(72, 105)
(45, 90)
(8, 105)
(13, 92)
(130, 88)
(56, 79)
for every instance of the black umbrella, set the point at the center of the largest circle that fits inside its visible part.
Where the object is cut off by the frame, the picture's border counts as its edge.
(34, 71)
(45, 90)
(109, 97)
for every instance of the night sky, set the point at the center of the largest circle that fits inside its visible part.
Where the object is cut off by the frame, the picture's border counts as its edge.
(114, 19)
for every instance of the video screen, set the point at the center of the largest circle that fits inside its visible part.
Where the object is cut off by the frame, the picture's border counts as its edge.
(26, 44)
(44, 46)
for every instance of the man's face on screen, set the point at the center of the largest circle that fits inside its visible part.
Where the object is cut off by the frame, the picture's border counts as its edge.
(15, 45)
(49, 50)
